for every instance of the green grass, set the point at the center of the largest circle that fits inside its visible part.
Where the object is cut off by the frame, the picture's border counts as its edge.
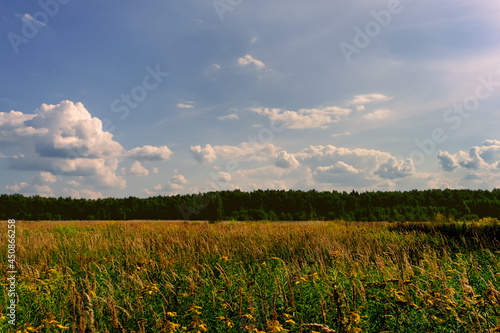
(256, 277)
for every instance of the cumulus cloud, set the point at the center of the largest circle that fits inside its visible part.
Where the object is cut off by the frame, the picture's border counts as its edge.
(304, 118)
(338, 168)
(224, 177)
(352, 167)
(335, 173)
(138, 170)
(38, 185)
(96, 171)
(248, 59)
(16, 188)
(14, 119)
(71, 133)
(378, 114)
(178, 179)
(248, 151)
(484, 159)
(286, 160)
(45, 178)
(176, 183)
(64, 140)
(150, 153)
(447, 161)
(203, 155)
(395, 168)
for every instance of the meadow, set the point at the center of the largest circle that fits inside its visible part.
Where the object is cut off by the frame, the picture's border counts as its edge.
(113, 276)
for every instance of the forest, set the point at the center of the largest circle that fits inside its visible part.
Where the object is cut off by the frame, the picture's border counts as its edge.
(264, 205)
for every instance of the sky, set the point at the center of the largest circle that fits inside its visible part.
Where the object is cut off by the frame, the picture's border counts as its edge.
(125, 98)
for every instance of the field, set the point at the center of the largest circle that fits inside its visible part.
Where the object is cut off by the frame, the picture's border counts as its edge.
(112, 276)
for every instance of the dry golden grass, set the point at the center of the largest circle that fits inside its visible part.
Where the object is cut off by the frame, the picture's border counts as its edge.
(167, 276)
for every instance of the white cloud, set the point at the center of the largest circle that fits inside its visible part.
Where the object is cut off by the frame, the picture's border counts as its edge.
(72, 133)
(73, 183)
(447, 161)
(228, 117)
(368, 99)
(27, 18)
(248, 151)
(178, 179)
(224, 177)
(272, 185)
(484, 158)
(175, 187)
(96, 171)
(148, 192)
(35, 188)
(45, 178)
(203, 155)
(186, 105)
(84, 193)
(286, 160)
(176, 183)
(16, 188)
(14, 119)
(362, 168)
(335, 173)
(340, 134)
(378, 114)
(304, 118)
(395, 168)
(64, 140)
(248, 59)
(138, 170)
(150, 153)
(338, 168)
(479, 167)
(269, 172)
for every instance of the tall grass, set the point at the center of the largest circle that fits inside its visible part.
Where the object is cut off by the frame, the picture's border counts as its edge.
(254, 277)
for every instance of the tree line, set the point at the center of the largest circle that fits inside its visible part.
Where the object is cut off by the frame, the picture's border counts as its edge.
(271, 205)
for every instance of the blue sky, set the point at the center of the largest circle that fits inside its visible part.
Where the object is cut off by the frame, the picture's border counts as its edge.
(127, 98)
